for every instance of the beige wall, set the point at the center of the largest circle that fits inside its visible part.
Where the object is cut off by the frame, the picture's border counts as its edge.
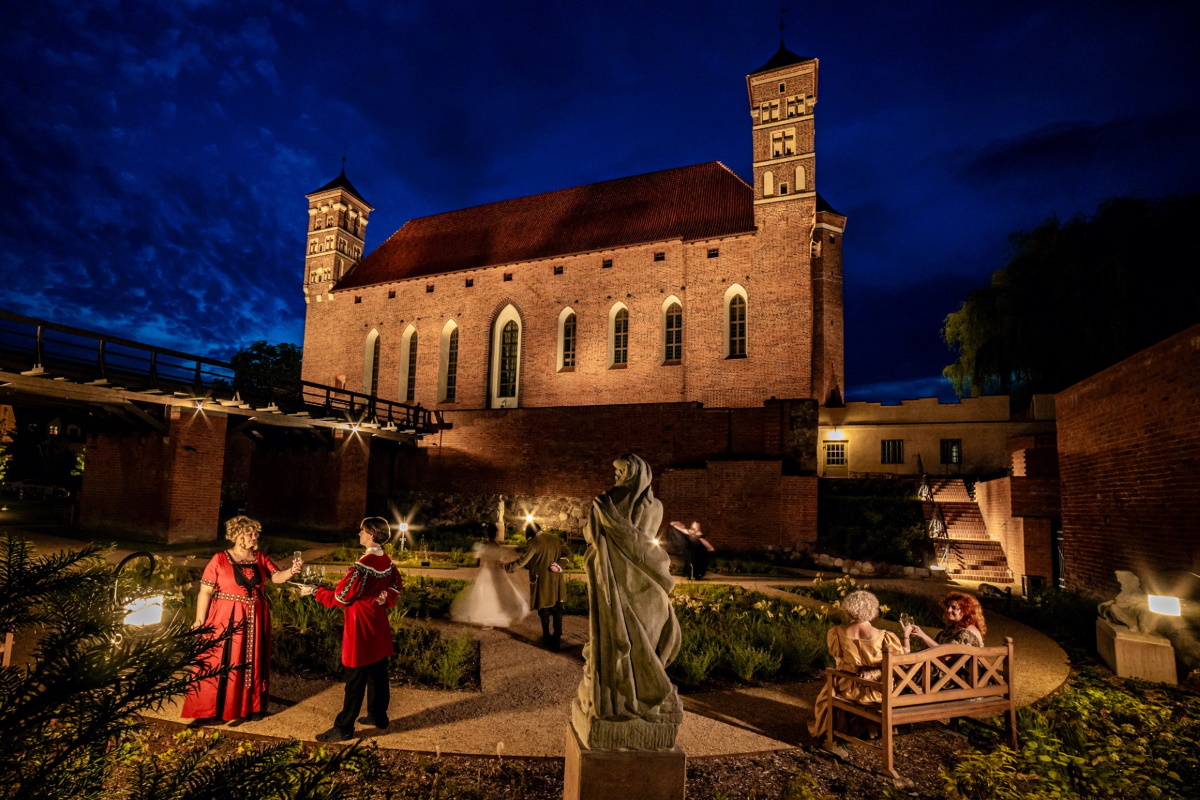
(982, 423)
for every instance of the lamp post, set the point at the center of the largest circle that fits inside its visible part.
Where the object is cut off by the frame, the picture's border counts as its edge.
(142, 610)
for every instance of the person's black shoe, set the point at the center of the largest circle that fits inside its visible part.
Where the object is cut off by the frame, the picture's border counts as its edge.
(334, 735)
(373, 722)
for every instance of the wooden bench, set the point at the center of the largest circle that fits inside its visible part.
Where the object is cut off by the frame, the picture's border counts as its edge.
(939, 683)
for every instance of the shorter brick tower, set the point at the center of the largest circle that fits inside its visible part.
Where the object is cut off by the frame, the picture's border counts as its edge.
(337, 230)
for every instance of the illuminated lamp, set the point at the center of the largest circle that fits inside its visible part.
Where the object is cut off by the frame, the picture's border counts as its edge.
(144, 610)
(1167, 606)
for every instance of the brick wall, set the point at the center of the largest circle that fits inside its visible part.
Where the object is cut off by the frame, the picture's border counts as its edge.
(1129, 456)
(310, 485)
(708, 465)
(164, 486)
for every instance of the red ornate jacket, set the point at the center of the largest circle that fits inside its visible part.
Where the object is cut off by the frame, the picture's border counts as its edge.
(368, 634)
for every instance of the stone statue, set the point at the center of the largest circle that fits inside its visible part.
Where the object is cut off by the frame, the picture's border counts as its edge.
(625, 700)
(1130, 607)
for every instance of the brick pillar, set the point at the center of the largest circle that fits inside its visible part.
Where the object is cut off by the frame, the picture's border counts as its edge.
(164, 486)
(312, 485)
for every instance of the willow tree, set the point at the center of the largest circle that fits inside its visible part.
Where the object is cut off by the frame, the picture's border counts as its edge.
(1078, 297)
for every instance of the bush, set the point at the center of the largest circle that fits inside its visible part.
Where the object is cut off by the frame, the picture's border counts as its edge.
(1063, 615)
(871, 519)
(1094, 740)
(735, 635)
(926, 611)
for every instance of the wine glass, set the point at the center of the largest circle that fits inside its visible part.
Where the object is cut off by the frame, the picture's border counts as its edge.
(905, 621)
(296, 560)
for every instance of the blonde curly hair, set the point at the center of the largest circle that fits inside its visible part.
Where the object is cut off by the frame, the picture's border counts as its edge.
(861, 606)
(237, 527)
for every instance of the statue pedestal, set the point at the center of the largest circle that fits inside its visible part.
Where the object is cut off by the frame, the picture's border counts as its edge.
(1135, 655)
(607, 774)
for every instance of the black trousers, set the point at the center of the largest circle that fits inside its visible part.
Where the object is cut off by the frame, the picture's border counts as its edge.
(555, 613)
(373, 680)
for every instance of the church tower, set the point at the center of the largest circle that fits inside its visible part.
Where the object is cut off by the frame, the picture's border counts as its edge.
(796, 223)
(337, 229)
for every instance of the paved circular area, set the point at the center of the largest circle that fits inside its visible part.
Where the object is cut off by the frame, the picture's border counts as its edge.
(523, 706)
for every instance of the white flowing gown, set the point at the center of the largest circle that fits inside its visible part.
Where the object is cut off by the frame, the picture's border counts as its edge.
(491, 599)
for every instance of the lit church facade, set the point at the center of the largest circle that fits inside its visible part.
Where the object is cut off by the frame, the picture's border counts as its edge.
(685, 285)
(685, 315)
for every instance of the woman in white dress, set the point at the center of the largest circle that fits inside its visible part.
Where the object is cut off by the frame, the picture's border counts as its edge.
(491, 601)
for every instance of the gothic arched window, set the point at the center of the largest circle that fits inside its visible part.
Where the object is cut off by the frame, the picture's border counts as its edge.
(566, 339)
(506, 359)
(618, 336)
(672, 327)
(735, 322)
(371, 363)
(408, 365)
(448, 373)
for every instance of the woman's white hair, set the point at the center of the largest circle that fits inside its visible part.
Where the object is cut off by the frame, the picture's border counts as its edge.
(861, 606)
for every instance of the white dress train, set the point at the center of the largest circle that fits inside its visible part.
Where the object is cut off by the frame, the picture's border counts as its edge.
(491, 600)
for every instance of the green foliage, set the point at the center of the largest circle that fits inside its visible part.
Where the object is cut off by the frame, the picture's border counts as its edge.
(1093, 740)
(720, 565)
(267, 372)
(730, 634)
(803, 787)
(1077, 297)
(426, 598)
(875, 520)
(65, 721)
(426, 656)
(925, 610)
(577, 599)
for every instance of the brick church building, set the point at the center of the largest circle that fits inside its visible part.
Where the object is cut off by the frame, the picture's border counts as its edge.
(682, 314)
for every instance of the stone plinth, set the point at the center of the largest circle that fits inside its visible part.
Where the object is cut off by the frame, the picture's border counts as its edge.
(1135, 655)
(615, 774)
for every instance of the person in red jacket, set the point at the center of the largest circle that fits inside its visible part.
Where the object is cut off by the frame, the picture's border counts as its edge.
(368, 590)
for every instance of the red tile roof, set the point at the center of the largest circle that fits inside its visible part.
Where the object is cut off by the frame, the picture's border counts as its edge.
(703, 201)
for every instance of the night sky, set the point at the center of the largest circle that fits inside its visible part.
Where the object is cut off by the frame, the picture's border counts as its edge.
(155, 154)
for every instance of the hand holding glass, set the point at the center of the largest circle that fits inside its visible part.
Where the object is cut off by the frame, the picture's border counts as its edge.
(906, 622)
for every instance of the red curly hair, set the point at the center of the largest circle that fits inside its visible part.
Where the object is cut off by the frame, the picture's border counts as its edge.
(972, 612)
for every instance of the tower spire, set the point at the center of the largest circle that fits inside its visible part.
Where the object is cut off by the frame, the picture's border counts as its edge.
(782, 25)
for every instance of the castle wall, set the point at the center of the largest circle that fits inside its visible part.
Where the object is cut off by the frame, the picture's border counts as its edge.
(1129, 456)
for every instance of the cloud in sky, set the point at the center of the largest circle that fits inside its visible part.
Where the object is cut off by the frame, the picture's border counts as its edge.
(155, 155)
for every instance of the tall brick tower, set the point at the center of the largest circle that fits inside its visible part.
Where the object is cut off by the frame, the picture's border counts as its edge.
(337, 229)
(801, 233)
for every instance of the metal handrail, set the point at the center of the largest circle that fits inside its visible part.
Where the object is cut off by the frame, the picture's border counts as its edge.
(30, 345)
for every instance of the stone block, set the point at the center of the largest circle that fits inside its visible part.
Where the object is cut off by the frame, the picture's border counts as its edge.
(606, 774)
(1136, 655)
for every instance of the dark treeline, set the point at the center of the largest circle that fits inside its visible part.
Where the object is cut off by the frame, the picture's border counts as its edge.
(1079, 296)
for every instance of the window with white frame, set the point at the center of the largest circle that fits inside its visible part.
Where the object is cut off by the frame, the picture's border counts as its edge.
(448, 366)
(408, 365)
(672, 331)
(835, 454)
(618, 336)
(735, 322)
(371, 363)
(506, 359)
(566, 339)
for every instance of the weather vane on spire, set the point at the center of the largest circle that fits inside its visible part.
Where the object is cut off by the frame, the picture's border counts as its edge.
(782, 11)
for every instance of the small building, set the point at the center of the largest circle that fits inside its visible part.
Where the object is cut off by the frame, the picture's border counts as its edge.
(969, 437)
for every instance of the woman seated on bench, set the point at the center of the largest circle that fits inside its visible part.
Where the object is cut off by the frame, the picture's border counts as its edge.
(857, 647)
(963, 618)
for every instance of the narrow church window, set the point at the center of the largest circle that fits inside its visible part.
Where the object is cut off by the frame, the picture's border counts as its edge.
(620, 338)
(410, 391)
(508, 276)
(428, 288)
(558, 270)
(673, 334)
(832, 239)
(660, 256)
(714, 252)
(782, 88)
(568, 343)
(737, 327)
(371, 363)
(470, 282)
(606, 264)
(768, 183)
(508, 361)
(451, 366)
(801, 179)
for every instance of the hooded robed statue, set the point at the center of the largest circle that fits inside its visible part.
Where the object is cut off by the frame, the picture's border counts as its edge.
(626, 701)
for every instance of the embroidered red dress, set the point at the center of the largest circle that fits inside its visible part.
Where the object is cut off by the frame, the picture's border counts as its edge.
(368, 634)
(238, 599)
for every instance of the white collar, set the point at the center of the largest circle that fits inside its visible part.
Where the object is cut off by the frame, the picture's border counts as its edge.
(374, 551)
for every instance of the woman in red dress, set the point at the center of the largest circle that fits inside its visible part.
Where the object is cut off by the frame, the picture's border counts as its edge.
(233, 595)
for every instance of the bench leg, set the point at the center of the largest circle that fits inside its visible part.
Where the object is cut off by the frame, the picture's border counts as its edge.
(886, 738)
(1011, 719)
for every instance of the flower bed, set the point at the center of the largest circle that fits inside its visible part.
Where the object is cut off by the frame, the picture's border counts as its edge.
(925, 611)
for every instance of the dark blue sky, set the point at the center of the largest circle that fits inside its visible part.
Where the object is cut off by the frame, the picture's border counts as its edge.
(155, 154)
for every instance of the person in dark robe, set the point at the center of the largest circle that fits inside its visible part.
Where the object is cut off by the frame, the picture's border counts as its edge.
(546, 557)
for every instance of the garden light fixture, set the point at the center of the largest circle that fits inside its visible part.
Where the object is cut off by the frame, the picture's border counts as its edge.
(144, 610)
(1167, 606)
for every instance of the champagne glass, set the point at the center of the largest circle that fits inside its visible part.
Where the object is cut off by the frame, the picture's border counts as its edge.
(296, 562)
(905, 621)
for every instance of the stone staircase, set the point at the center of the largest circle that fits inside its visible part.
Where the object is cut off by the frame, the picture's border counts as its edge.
(973, 555)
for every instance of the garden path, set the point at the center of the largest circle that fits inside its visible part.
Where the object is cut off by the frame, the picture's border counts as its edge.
(523, 706)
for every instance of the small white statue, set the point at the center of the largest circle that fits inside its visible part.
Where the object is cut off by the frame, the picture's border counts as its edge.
(1130, 607)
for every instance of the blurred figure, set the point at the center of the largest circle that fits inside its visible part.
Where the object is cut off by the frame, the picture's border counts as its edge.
(546, 557)
(491, 600)
(696, 549)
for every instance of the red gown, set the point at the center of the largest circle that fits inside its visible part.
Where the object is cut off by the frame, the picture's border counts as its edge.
(244, 690)
(368, 634)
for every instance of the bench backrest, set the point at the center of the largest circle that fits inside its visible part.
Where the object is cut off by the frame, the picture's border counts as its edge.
(950, 672)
